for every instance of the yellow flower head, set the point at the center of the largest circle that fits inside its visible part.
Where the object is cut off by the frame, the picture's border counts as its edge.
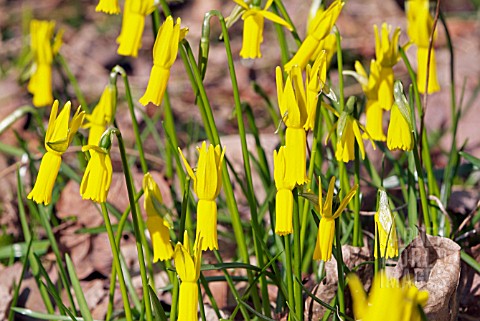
(59, 135)
(292, 103)
(374, 113)
(315, 82)
(102, 114)
(385, 227)
(400, 128)
(156, 224)
(253, 18)
(164, 53)
(130, 38)
(319, 28)
(188, 270)
(207, 182)
(284, 197)
(40, 84)
(326, 229)
(348, 131)
(108, 6)
(398, 300)
(98, 174)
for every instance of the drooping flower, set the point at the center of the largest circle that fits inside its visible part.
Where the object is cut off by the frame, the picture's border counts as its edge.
(319, 28)
(386, 51)
(400, 128)
(43, 49)
(374, 113)
(326, 229)
(399, 300)
(385, 231)
(253, 18)
(164, 53)
(108, 6)
(284, 197)
(156, 224)
(102, 115)
(133, 23)
(419, 29)
(59, 135)
(292, 104)
(188, 266)
(315, 82)
(207, 182)
(98, 174)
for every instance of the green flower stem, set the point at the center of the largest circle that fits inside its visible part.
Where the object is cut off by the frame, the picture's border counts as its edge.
(175, 296)
(210, 127)
(357, 228)
(339, 257)
(136, 225)
(245, 153)
(116, 263)
(53, 243)
(297, 262)
(131, 107)
(283, 11)
(340, 69)
(169, 125)
(425, 152)
(73, 80)
(289, 275)
(421, 187)
(282, 41)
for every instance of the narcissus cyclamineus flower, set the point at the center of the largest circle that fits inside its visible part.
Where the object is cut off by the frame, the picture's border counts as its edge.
(326, 229)
(374, 113)
(133, 23)
(187, 265)
(108, 6)
(207, 182)
(399, 300)
(98, 174)
(102, 115)
(385, 230)
(157, 225)
(284, 197)
(253, 18)
(315, 83)
(319, 28)
(164, 53)
(419, 29)
(292, 103)
(400, 128)
(386, 51)
(44, 48)
(59, 135)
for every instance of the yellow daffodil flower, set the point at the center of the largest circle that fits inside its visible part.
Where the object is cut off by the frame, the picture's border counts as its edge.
(188, 266)
(292, 104)
(253, 18)
(315, 82)
(348, 130)
(207, 182)
(164, 53)
(102, 115)
(130, 38)
(385, 231)
(319, 28)
(59, 135)
(419, 29)
(386, 51)
(284, 197)
(326, 229)
(400, 128)
(398, 300)
(108, 6)
(374, 113)
(98, 174)
(156, 224)
(40, 84)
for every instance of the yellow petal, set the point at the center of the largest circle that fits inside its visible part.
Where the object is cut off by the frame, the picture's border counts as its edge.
(108, 6)
(207, 224)
(157, 84)
(295, 154)
(184, 264)
(47, 174)
(283, 212)
(160, 235)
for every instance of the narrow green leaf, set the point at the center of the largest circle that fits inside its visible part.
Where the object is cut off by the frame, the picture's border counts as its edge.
(472, 159)
(157, 306)
(78, 290)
